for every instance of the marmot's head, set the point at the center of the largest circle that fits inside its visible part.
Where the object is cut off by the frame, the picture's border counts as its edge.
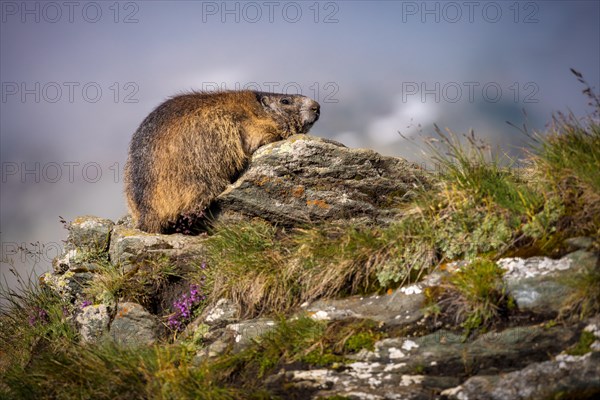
(294, 113)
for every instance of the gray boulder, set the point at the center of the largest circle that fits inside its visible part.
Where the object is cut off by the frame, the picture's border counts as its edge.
(90, 233)
(68, 285)
(130, 247)
(222, 313)
(540, 284)
(133, 325)
(307, 179)
(93, 322)
(402, 307)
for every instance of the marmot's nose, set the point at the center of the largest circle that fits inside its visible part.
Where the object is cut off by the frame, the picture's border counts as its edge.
(316, 108)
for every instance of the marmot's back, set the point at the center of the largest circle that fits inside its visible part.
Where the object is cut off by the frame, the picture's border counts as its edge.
(189, 149)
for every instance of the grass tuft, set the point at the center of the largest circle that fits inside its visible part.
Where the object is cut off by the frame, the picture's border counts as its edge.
(246, 264)
(475, 296)
(106, 371)
(584, 302)
(31, 318)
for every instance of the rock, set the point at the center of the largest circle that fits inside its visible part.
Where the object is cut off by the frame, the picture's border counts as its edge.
(93, 322)
(130, 247)
(415, 367)
(215, 349)
(84, 252)
(579, 243)
(133, 325)
(566, 377)
(246, 331)
(594, 328)
(76, 260)
(309, 179)
(222, 313)
(91, 234)
(212, 328)
(403, 307)
(445, 352)
(86, 245)
(67, 260)
(538, 284)
(356, 382)
(216, 342)
(68, 286)
(235, 336)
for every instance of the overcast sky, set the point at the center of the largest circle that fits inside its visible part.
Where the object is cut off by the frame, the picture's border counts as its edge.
(78, 78)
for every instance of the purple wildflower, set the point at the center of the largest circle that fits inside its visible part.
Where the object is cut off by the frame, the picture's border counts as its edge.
(38, 315)
(184, 307)
(85, 303)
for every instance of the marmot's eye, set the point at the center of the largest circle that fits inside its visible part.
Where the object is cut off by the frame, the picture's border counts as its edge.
(285, 101)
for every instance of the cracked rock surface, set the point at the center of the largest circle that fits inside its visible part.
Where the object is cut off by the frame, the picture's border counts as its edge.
(307, 179)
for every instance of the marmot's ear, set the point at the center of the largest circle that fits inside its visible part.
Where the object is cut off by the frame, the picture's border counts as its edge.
(264, 99)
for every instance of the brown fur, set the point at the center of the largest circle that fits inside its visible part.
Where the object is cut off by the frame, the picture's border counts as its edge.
(186, 152)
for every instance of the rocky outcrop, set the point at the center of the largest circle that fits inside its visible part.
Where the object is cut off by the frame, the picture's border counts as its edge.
(566, 376)
(307, 179)
(397, 309)
(417, 367)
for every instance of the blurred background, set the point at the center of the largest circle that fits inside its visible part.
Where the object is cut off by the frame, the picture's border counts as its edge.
(79, 77)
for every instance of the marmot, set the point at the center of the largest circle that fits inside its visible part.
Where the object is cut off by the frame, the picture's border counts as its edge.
(186, 152)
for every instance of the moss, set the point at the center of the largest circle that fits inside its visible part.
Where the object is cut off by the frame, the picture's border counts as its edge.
(362, 340)
(583, 346)
(419, 369)
(321, 359)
